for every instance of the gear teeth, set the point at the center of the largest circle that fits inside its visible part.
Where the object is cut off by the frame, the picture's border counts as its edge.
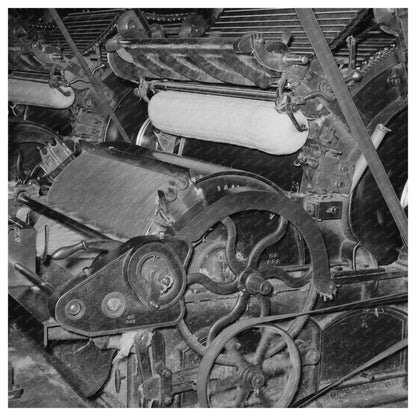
(325, 297)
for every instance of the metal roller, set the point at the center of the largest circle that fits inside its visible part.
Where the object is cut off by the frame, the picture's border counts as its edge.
(249, 123)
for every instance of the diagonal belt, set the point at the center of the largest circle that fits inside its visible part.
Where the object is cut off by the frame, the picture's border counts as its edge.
(379, 357)
(228, 333)
(351, 114)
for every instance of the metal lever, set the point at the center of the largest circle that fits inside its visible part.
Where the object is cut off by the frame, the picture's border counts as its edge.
(34, 278)
(354, 75)
(100, 245)
(352, 50)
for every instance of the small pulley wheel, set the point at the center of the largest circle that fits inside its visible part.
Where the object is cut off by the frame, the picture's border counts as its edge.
(156, 275)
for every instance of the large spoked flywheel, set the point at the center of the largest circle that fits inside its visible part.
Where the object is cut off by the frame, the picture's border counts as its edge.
(256, 253)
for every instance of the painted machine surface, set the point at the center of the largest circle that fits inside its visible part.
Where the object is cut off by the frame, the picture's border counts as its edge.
(208, 207)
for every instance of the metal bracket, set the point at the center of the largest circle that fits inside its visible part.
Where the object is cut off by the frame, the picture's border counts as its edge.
(276, 56)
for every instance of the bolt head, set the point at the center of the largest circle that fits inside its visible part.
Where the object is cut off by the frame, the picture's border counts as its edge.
(166, 280)
(154, 305)
(312, 357)
(74, 308)
(166, 373)
(257, 381)
(265, 288)
(114, 304)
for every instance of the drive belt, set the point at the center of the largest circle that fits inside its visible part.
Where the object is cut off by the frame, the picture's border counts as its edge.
(379, 357)
(227, 334)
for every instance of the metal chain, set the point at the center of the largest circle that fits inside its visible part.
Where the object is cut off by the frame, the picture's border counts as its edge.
(165, 18)
(350, 29)
(102, 37)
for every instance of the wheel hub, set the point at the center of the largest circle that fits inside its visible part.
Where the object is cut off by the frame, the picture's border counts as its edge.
(254, 283)
(253, 377)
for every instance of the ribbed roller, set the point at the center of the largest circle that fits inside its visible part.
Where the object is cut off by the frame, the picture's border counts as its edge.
(271, 23)
(212, 59)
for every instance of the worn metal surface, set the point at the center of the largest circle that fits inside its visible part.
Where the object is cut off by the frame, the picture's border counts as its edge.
(95, 82)
(353, 118)
(210, 60)
(141, 191)
(108, 303)
(274, 202)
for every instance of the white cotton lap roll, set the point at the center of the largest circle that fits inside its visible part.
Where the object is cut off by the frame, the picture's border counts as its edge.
(39, 93)
(249, 123)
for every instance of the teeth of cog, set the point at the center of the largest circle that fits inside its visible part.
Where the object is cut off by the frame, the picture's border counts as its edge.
(326, 297)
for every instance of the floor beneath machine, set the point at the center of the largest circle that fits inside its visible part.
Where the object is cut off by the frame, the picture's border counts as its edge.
(42, 385)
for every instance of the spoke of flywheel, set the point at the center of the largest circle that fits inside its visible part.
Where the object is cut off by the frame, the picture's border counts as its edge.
(281, 273)
(236, 266)
(232, 316)
(267, 241)
(265, 399)
(209, 284)
(262, 347)
(218, 386)
(235, 354)
(276, 367)
(242, 396)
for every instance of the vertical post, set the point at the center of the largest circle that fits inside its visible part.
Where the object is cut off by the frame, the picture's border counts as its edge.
(351, 114)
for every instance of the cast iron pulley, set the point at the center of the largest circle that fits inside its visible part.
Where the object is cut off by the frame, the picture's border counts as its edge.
(156, 275)
(249, 275)
(136, 285)
(251, 379)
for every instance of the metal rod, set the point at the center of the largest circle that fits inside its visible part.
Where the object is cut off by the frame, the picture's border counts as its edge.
(214, 90)
(34, 278)
(351, 114)
(96, 83)
(57, 216)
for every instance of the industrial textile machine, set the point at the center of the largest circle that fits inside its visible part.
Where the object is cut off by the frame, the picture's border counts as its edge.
(208, 207)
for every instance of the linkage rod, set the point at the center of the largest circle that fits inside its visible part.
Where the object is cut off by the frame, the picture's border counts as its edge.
(351, 114)
(22, 198)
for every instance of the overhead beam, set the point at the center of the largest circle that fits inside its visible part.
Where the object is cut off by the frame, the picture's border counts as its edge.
(351, 114)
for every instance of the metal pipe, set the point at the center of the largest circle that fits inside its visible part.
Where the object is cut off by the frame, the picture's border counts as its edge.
(351, 114)
(34, 278)
(214, 90)
(24, 199)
